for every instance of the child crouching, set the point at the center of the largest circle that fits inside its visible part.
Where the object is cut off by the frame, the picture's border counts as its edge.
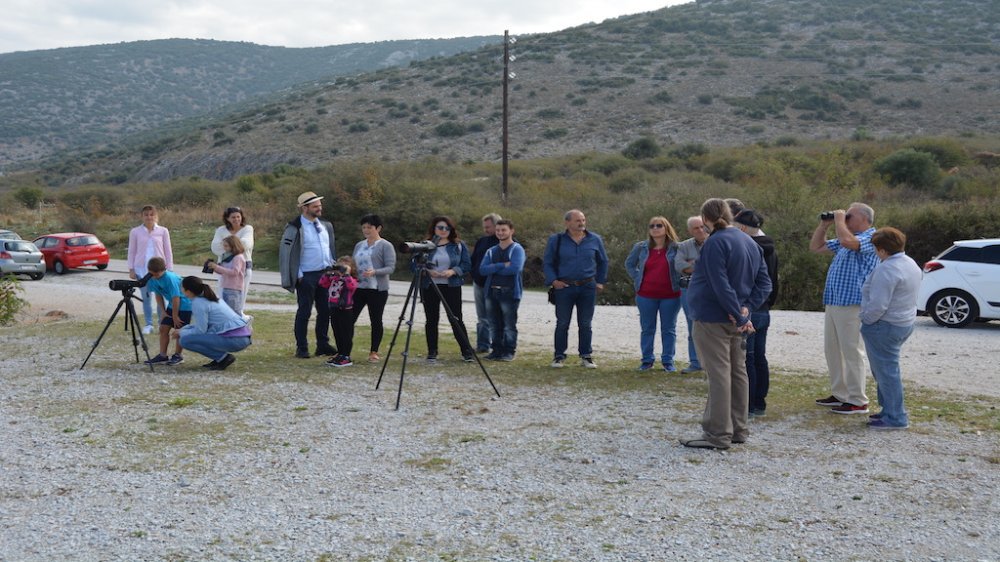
(341, 284)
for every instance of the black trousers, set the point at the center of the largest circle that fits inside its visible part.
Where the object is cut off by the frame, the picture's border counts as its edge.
(309, 294)
(342, 322)
(432, 312)
(375, 301)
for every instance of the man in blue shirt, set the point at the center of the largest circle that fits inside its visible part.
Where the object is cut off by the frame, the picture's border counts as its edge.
(854, 259)
(501, 267)
(576, 267)
(306, 251)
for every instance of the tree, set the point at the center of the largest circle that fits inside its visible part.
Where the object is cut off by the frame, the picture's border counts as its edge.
(30, 197)
(910, 167)
(642, 149)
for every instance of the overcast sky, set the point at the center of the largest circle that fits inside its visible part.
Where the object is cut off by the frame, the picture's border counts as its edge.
(28, 25)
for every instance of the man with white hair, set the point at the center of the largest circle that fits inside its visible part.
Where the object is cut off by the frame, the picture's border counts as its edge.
(854, 258)
(687, 254)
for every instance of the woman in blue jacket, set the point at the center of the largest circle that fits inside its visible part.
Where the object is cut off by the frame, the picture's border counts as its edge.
(215, 330)
(657, 291)
(445, 268)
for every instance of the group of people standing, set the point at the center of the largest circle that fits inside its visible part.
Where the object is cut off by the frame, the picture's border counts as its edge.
(724, 277)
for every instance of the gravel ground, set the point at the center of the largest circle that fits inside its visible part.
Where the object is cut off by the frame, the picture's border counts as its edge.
(326, 470)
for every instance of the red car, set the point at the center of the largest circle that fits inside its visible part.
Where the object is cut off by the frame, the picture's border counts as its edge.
(67, 250)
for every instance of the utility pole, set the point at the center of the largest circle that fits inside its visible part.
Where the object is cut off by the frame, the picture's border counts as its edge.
(507, 76)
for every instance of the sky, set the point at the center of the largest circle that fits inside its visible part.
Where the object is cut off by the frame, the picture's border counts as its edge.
(28, 25)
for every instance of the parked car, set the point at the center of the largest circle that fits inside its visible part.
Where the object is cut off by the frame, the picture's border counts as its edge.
(9, 235)
(21, 257)
(67, 250)
(962, 284)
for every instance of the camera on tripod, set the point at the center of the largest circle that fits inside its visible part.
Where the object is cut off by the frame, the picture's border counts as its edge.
(128, 284)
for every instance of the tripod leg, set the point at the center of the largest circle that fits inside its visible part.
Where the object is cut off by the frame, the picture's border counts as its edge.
(137, 336)
(409, 333)
(104, 331)
(462, 337)
(392, 343)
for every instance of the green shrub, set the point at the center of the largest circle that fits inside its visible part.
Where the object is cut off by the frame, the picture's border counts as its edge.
(629, 179)
(94, 200)
(30, 197)
(947, 153)
(10, 301)
(555, 133)
(723, 168)
(661, 97)
(190, 195)
(909, 167)
(549, 113)
(642, 149)
(449, 129)
(608, 165)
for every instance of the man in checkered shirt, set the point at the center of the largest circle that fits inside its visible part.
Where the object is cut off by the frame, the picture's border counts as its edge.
(853, 259)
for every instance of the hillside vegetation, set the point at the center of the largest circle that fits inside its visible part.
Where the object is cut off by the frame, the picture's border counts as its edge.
(82, 96)
(718, 72)
(935, 189)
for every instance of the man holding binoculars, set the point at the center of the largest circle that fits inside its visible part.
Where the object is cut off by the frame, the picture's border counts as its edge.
(853, 259)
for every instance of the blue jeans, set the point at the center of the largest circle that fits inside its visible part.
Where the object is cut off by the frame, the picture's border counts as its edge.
(484, 333)
(584, 299)
(758, 370)
(214, 346)
(883, 342)
(501, 309)
(234, 298)
(309, 293)
(692, 353)
(667, 310)
(147, 306)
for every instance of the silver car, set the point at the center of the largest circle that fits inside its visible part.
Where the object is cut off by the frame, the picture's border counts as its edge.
(21, 257)
(8, 235)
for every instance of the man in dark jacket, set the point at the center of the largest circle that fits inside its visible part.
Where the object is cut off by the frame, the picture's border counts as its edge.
(758, 372)
(306, 251)
(485, 242)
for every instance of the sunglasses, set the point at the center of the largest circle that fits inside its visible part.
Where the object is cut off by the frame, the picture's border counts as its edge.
(443, 227)
(656, 225)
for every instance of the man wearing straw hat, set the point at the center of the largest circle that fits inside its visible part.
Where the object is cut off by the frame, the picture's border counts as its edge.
(307, 250)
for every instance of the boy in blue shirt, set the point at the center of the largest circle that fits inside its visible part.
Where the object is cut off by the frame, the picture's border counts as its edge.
(170, 297)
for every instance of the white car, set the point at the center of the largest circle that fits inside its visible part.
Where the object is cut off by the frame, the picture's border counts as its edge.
(962, 284)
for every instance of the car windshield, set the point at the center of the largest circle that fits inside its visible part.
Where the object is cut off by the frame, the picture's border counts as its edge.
(82, 241)
(19, 246)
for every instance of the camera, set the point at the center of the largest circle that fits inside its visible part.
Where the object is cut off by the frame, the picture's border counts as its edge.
(207, 266)
(685, 281)
(337, 268)
(826, 216)
(427, 246)
(129, 284)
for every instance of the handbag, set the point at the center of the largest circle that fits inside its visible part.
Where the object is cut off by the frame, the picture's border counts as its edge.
(552, 295)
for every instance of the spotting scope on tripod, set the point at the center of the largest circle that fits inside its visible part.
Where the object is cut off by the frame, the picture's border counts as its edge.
(421, 260)
(127, 288)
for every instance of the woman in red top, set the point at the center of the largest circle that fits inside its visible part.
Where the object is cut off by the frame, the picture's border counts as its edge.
(657, 291)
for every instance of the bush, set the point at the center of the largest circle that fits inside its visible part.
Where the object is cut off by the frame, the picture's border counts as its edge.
(630, 179)
(94, 201)
(555, 133)
(909, 167)
(946, 152)
(642, 149)
(30, 197)
(449, 129)
(10, 302)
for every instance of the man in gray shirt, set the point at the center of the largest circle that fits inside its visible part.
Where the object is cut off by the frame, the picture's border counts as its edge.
(687, 254)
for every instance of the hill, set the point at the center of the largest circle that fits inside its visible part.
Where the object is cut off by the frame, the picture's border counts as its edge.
(719, 72)
(73, 97)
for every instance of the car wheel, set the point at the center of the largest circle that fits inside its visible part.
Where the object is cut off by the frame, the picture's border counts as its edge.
(953, 308)
(58, 267)
(37, 276)
(102, 266)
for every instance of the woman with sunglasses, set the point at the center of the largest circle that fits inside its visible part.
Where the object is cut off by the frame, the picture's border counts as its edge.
(657, 291)
(234, 224)
(446, 268)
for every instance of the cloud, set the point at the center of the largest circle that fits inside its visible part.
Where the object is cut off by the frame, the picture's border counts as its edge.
(44, 24)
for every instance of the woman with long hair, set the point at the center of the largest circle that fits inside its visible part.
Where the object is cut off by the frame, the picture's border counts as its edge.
(215, 330)
(657, 291)
(730, 280)
(234, 223)
(445, 268)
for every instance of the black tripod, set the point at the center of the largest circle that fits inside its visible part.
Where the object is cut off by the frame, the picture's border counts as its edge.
(131, 325)
(412, 296)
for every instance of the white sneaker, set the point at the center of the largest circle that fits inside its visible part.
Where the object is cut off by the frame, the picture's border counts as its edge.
(587, 363)
(557, 364)
(147, 330)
